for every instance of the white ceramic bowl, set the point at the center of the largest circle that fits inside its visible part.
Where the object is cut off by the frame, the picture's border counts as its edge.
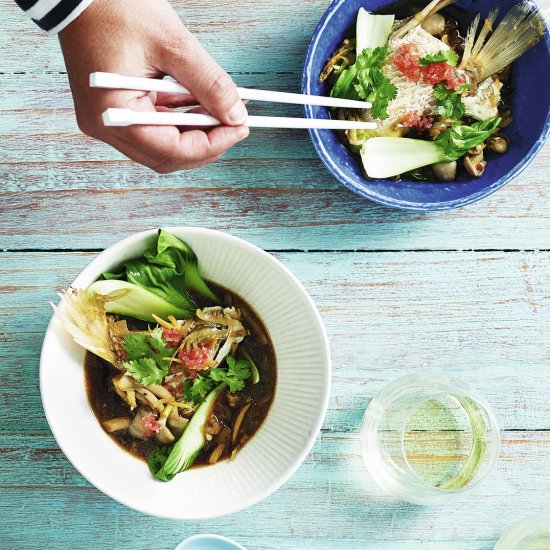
(282, 442)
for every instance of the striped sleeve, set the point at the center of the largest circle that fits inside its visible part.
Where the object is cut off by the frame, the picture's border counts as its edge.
(53, 15)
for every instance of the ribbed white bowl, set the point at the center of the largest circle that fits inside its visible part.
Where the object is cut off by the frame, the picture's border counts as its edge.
(283, 440)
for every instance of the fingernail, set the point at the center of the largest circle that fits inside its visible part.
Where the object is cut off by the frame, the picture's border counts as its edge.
(238, 113)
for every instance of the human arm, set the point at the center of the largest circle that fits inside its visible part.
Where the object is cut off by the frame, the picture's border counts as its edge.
(147, 38)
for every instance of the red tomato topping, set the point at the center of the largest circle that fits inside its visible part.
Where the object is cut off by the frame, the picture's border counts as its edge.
(172, 336)
(420, 122)
(151, 426)
(406, 59)
(443, 72)
(195, 358)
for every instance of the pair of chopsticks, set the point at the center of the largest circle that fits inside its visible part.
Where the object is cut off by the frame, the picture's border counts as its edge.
(127, 117)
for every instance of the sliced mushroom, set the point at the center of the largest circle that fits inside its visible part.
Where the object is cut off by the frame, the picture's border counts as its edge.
(177, 424)
(117, 424)
(239, 421)
(475, 165)
(165, 436)
(477, 150)
(161, 392)
(137, 429)
(445, 171)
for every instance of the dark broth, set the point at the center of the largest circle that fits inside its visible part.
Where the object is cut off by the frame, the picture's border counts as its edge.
(106, 404)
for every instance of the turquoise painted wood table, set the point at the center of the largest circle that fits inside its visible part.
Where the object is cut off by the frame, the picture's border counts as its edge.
(467, 291)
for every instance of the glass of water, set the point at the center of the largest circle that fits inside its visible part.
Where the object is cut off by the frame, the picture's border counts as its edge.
(532, 533)
(428, 437)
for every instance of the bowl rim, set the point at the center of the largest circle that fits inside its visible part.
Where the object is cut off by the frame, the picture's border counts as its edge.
(350, 183)
(116, 249)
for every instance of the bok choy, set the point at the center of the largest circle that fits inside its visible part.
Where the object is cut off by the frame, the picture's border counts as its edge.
(384, 157)
(166, 463)
(167, 271)
(132, 300)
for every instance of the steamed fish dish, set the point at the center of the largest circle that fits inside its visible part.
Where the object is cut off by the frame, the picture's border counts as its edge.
(178, 371)
(440, 101)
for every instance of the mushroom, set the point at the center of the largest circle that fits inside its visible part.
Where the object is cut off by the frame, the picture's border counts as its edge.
(117, 424)
(137, 428)
(445, 171)
(165, 436)
(177, 424)
(477, 150)
(475, 165)
(498, 144)
(435, 24)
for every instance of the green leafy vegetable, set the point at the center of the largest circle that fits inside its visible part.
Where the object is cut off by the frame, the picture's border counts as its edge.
(447, 56)
(372, 30)
(182, 454)
(364, 80)
(168, 270)
(255, 373)
(145, 354)
(237, 372)
(194, 391)
(458, 139)
(132, 300)
(449, 102)
(145, 370)
(234, 375)
(158, 459)
(384, 157)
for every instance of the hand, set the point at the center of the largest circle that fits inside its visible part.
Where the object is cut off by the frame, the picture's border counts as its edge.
(147, 38)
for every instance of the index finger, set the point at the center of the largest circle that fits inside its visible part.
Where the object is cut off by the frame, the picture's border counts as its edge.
(171, 149)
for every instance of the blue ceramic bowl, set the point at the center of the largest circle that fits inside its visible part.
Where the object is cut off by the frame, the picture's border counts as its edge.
(527, 133)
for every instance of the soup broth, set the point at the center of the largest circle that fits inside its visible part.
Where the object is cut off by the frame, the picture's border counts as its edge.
(221, 441)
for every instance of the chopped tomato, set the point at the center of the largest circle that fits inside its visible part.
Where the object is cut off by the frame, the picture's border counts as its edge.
(172, 336)
(417, 121)
(443, 72)
(195, 358)
(406, 59)
(150, 425)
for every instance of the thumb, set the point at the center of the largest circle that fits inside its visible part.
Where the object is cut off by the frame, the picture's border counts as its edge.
(188, 62)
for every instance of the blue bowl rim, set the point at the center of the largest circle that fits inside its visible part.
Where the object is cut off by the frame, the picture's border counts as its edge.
(317, 140)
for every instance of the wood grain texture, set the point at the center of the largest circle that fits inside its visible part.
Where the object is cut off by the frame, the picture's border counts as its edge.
(398, 291)
(392, 314)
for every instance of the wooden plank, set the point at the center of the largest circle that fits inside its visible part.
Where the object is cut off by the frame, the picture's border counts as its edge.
(317, 214)
(332, 487)
(482, 316)
(249, 37)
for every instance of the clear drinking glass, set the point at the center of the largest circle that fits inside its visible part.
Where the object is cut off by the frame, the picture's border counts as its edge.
(428, 437)
(532, 533)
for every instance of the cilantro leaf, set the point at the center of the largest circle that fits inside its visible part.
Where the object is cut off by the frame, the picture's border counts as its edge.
(449, 102)
(158, 458)
(145, 353)
(195, 391)
(145, 371)
(371, 84)
(136, 345)
(159, 345)
(447, 56)
(364, 80)
(235, 375)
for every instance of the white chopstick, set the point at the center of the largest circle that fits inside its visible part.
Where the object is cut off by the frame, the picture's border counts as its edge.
(115, 81)
(127, 117)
